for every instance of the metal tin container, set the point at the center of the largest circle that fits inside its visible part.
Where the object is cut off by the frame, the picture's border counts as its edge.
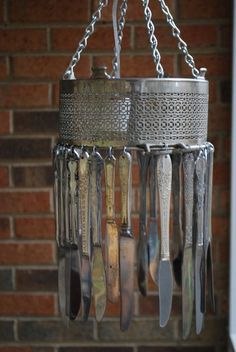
(132, 112)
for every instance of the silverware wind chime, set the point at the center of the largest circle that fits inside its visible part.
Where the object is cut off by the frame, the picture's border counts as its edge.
(106, 122)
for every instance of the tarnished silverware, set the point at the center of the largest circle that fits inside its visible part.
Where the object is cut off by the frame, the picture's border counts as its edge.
(153, 240)
(199, 252)
(56, 190)
(142, 248)
(165, 280)
(177, 217)
(187, 267)
(112, 235)
(208, 230)
(98, 269)
(86, 278)
(127, 243)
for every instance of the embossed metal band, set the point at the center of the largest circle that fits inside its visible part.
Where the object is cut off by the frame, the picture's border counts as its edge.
(131, 112)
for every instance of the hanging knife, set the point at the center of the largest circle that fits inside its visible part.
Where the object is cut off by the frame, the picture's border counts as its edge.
(75, 287)
(86, 280)
(153, 241)
(207, 229)
(127, 243)
(177, 217)
(187, 267)
(142, 270)
(199, 253)
(165, 280)
(112, 236)
(56, 187)
(98, 269)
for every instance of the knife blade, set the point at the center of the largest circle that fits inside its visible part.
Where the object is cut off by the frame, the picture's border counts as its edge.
(112, 235)
(127, 243)
(199, 252)
(208, 227)
(153, 240)
(56, 188)
(187, 267)
(142, 247)
(177, 218)
(98, 269)
(165, 280)
(86, 278)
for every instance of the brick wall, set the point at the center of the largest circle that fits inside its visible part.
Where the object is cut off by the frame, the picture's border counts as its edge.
(37, 39)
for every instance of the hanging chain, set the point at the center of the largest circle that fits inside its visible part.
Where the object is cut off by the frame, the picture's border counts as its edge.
(121, 25)
(69, 74)
(152, 38)
(181, 44)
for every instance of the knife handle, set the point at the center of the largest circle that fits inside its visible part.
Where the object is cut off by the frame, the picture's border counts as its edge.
(110, 171)
(153, 186)
(200, 192)
(164, 176)
(188, 168)
(84, 201)
(177, 204)
(144, 160)
(125, 164)
(56, 154)
(96, 169)
(73, 176)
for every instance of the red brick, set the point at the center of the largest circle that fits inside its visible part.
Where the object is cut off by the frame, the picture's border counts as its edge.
(4, 176)
(226, 36)
(4, 122)
(1, 11)
(16, 349)
(26, 253)
(224, 201)
(150, 305)
(5, 231)
(216, 64)
(220, 227)
(26, 304)
(67, 39)
(212, 91)
(219, 119)
(49, 67)
(23, 39)
(41, 11)
(24, 202)
(164, 37)
(24, 95)
(221, 173)
(35, 228)
(202, 9)
(3, 68)
(135, 10)
(112, 310)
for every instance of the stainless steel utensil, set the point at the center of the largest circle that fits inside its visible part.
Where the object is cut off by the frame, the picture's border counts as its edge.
(199, 253)
(165, 280)
(187, 267)
(177, 217)
(142, 269)
(127, 243)
(98, 269)
(112, 235)
(153, 240)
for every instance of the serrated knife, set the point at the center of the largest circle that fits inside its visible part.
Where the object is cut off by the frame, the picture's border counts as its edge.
(199, 252)
(142, 246)
(127, 243)
(112, 235)
(187, 267)
(165, 279)
(98, 268)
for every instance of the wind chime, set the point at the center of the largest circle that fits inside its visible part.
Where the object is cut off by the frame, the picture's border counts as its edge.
(105, 123)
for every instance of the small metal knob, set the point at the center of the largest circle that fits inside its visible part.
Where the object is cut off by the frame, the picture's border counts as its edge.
(99, 72)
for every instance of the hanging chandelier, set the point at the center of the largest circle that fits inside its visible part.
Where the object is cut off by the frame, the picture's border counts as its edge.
(107, 122)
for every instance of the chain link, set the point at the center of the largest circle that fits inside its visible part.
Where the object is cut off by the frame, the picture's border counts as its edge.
(121, 25)
(181, 43)
(69, 73)
(152, 38)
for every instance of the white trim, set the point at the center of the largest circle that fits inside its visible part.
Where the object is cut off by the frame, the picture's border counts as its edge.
(232, 311)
